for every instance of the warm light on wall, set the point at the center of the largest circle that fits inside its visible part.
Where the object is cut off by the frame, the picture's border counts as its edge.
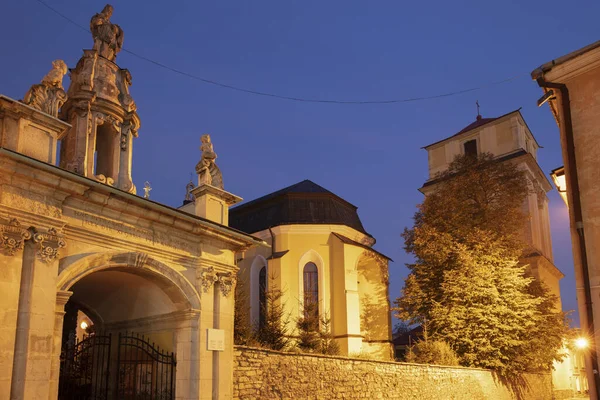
(84, 325)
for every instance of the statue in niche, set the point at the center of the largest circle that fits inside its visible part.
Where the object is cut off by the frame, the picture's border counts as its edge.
(108, 37)
(207, 170)
(189, 197)
(49, 95)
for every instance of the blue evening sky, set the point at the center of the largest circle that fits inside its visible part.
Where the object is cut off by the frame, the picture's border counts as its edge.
(351, 50)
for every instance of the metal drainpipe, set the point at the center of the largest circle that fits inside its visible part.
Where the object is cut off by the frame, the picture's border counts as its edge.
(272, 242)
(576, 198)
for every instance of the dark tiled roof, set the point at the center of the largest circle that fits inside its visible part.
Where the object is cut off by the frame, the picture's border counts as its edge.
(478, 122)
(302, 203)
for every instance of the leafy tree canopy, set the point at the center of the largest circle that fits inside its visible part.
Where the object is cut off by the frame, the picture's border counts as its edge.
(467, 282)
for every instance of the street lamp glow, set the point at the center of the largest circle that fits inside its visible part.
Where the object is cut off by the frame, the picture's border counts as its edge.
(581, 343)
(84, 325)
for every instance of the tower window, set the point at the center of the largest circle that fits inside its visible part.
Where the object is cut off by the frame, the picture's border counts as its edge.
(470, 147)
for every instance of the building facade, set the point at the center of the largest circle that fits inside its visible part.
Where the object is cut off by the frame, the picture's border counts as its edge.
(570, 84)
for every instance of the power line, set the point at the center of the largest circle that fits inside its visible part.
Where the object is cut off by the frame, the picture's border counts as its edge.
(299, 99)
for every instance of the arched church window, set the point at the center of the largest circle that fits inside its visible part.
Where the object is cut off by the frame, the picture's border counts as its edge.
(262, 295)
(311, 289)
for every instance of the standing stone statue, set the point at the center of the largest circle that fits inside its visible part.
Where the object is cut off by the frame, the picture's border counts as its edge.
(108, 37)
(207, 170)
(49, 95)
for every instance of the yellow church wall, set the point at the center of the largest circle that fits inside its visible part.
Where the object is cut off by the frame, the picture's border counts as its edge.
(374, 307)
(339, 296)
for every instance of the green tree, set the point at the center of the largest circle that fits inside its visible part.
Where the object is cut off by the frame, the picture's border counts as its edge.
(273, 333)
(466, 281)
(243, 334)
(314, 332)
(327, 343)
(308, 328)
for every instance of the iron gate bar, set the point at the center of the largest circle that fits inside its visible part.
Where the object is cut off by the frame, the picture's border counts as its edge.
(144, 370)
(84, 367)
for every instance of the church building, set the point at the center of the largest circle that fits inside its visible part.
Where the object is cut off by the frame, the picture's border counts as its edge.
(319, 254)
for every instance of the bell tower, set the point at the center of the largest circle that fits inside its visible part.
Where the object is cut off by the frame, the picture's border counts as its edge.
(100, 110)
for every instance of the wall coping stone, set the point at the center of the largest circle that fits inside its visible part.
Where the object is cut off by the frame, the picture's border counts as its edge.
(353, 359)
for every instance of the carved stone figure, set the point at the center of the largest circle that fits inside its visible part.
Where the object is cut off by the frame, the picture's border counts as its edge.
(108, 37)
(147, 189)
(49, 95)
(189, 197)
(207, 170)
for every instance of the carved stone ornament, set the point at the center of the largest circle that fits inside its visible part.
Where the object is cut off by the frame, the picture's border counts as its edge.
(13, 236)
(49, 244)
(208, 277)
(226, 283)
(49, 95)
(207, 170)
(108, 37)
(125, 128)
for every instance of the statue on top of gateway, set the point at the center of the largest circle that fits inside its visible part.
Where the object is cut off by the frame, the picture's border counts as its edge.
(108, 37)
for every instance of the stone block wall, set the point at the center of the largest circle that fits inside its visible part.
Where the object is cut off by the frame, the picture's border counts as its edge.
(263, 374)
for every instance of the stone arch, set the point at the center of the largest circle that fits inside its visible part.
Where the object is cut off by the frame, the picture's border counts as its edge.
(257, 264)
(314, 257)
(174, 284)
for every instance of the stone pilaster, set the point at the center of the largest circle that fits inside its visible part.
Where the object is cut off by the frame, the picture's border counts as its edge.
(59, 314)
(33, 345)
(12, 241)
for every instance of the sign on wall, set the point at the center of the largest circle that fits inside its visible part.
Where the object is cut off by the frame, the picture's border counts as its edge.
(215, 340)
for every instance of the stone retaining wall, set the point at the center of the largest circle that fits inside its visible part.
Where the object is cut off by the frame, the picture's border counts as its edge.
(264, 374)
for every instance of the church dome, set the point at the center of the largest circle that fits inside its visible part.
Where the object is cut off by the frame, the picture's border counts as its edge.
(302, 203)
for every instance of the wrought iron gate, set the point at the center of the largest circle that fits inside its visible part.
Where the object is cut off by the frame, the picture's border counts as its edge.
(145, 372)
(84, 369)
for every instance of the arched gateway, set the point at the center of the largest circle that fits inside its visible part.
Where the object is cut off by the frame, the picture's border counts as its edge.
(127, 318)
(81, 254)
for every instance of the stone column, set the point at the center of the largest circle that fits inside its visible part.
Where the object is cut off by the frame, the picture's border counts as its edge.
(224, 318)
(187, 376)
(124, 179)
(59, 315)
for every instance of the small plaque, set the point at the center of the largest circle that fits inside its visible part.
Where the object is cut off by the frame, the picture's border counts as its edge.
(215, 339)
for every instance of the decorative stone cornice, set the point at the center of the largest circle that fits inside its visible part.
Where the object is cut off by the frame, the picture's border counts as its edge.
(13, 236)
(49, 244)
(62, 296)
